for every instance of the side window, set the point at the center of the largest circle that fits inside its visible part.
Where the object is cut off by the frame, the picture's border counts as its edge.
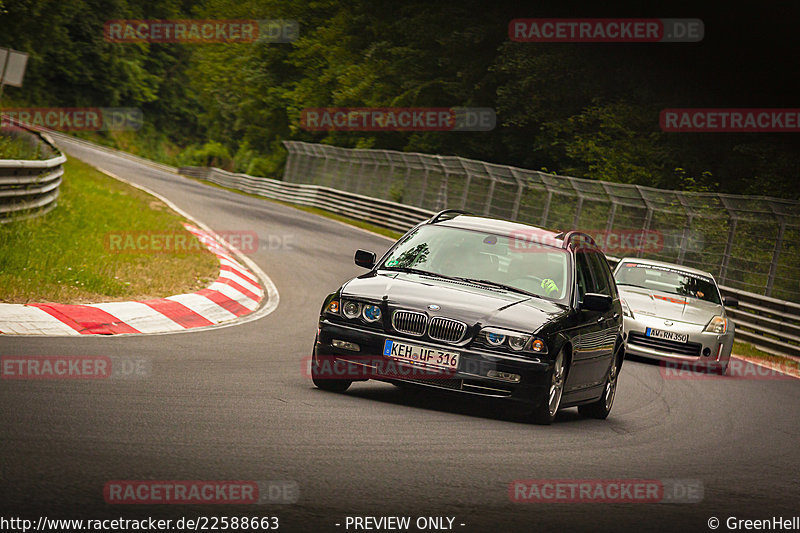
(600, 272)
(583, 275)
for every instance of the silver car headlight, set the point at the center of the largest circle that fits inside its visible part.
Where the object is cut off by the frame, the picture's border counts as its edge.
(626, 310)
(718, 325)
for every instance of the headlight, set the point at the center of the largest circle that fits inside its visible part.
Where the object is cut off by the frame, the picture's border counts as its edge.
(626, 311)
(493, 338)
(718, 325)
(515, 341)
(371, 313)
(351, 309)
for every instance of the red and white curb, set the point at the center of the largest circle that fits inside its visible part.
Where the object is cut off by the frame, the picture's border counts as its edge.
(233, 298)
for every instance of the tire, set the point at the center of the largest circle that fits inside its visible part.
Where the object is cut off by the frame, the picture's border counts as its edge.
(550, 400)
(602, 407)
(330, 385)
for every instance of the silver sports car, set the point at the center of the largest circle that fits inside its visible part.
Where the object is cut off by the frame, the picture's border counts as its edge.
(674, 313)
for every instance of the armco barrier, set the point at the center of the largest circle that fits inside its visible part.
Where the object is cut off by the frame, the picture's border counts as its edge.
(30, 188)
(772, 325)
(382, 213)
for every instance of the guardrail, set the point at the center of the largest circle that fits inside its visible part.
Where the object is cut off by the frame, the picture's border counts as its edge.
(30, 188)
(383, 213)
(58, 136)
(770, 324)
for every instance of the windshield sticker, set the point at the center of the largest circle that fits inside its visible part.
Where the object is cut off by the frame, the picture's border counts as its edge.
(669, 299)
(670, 270)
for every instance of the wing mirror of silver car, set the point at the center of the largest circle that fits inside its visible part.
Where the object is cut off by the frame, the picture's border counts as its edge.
(596, 302)
(730, 301)
(365, 258)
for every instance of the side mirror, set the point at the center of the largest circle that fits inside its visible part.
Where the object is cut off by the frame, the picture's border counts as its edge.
(365, 258)
(596, 302)
(730, 301)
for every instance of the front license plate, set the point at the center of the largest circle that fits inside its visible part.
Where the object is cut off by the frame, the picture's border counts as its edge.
(419, 355)
(667, 335)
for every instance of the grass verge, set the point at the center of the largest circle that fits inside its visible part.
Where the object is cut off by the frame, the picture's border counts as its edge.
(66, 256)
(746, 349)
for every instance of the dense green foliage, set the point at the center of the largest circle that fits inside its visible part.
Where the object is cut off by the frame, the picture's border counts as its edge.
(578, 109)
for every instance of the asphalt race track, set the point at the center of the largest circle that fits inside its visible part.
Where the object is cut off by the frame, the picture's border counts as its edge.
(233, 404)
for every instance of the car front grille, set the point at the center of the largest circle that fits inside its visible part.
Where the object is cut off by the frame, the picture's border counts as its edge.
(446, 329)
(678, 348)
(410, 322)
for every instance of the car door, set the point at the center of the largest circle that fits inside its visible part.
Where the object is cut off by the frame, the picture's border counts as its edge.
(587, 353)
(604, 339)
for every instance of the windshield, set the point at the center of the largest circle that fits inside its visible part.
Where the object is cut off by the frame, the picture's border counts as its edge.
(483, 257)
(667, 279)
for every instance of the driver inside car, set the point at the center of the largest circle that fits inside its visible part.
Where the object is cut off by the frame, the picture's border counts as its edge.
(535, 274)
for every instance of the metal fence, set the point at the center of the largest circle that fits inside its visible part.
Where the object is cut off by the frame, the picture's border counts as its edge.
(383, 213)
(749, 243)
(30, 188)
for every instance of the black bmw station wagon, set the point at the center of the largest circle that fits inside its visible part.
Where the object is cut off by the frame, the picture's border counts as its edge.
(482, 307)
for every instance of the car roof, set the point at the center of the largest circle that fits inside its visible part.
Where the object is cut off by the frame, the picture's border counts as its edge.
(653, 262)
(504, 227)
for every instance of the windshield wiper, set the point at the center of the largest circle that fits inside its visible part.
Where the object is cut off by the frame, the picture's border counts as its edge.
(489, 282)
(500, 286)
(409, 270)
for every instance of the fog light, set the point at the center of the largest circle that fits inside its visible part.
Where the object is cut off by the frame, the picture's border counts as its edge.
(344, 345)
(706, 352)
(505, 376)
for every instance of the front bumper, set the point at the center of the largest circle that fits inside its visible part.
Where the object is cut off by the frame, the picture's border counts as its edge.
(701, 347)
(470, 377)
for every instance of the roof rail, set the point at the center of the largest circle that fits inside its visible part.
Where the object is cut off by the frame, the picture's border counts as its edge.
(438, 216)
(569, 235)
